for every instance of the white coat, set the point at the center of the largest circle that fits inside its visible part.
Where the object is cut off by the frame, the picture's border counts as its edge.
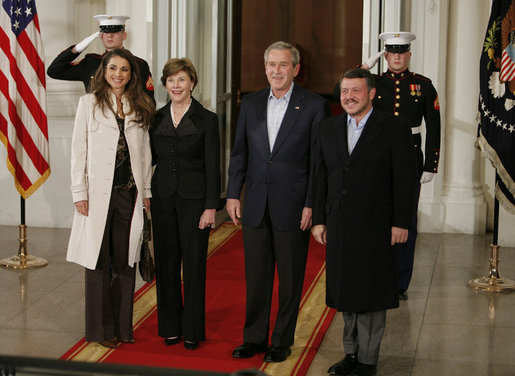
(93, 155)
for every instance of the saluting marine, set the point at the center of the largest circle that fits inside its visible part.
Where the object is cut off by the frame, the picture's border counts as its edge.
(413, 97)
(112, 33)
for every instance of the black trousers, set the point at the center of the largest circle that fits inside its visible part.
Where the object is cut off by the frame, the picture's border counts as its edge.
(264, 248)
(177, 239)
(406, 251)
(110, 287)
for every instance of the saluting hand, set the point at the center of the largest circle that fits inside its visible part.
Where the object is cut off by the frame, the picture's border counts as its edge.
(83, 44)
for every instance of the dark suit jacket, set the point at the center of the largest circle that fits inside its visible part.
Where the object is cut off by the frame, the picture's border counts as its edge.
(187, 158)
(280, 177)
(359, 198)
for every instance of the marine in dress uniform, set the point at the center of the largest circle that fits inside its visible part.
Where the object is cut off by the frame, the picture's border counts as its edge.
(413, 97)
(64, 66)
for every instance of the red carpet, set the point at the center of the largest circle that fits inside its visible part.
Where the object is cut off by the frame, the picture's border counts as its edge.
(225, 316)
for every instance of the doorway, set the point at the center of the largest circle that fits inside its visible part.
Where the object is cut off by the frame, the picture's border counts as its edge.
(327, 33)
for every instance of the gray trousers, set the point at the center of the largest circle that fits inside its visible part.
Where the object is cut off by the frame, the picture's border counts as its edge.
(362, 334)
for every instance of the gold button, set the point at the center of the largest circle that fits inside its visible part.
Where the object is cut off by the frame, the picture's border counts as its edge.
(398, 96)
(396, 113)
(397, 82)
(379, 97)
(397, 90)
(397, 104)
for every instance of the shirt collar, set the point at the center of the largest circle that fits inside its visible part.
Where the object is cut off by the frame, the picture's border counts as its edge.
(362, 122)
(286, 96)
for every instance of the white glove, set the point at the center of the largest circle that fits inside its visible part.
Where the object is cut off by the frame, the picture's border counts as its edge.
(373, 60)
(83, 44)
(426, 177)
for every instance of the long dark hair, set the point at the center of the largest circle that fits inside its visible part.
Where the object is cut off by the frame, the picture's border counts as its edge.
(139, 102)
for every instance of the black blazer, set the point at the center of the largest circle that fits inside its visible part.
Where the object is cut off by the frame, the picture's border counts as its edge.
(280, 177)
(187, 158)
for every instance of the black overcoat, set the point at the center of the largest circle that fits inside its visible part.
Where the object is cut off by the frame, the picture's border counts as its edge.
(359, 198)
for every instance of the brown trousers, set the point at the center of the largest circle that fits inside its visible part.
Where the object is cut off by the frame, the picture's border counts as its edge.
(110, 287)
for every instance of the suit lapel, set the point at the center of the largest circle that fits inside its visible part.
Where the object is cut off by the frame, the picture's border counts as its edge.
(261, 122)
(339, 133)
(294, 109)
(164, 125)
(372, 129)
(105, 117)
(187, 126)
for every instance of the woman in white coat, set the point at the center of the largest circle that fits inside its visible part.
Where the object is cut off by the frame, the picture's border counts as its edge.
(110, 172)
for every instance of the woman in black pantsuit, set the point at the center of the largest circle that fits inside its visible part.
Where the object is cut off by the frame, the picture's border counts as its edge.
(186, 194)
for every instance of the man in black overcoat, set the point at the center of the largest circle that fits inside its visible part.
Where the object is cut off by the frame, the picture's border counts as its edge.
(365, 173)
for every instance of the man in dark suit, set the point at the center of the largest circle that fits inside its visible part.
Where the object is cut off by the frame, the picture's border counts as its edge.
(112, 33)
(364, 175)
(272, 157)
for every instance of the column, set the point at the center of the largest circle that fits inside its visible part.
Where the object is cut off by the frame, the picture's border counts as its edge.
(464, 205)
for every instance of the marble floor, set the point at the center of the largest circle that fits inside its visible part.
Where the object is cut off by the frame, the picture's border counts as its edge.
(444, 328)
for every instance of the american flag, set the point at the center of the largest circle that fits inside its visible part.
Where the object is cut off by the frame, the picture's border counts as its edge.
(23, 121)
(496, 130)
(507, 64)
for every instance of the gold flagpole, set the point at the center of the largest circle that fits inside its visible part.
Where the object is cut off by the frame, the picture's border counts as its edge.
(22, 260)
(492, 282)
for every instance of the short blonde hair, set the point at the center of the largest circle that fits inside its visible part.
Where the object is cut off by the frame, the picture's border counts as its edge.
(176, 65)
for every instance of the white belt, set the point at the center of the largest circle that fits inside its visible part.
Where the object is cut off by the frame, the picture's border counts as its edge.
(415, 130)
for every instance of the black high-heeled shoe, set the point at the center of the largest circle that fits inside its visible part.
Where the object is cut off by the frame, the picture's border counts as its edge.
(172, 341)
(190, 345)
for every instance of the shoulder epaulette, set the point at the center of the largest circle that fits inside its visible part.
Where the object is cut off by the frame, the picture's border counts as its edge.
(421, 77)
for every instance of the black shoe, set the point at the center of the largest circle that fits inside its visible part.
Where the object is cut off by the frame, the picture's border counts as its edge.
(172, 341)
(248, 350)
(277, 354)
(344, 366)
(365, 370)
(190, 345)
(403, 295)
